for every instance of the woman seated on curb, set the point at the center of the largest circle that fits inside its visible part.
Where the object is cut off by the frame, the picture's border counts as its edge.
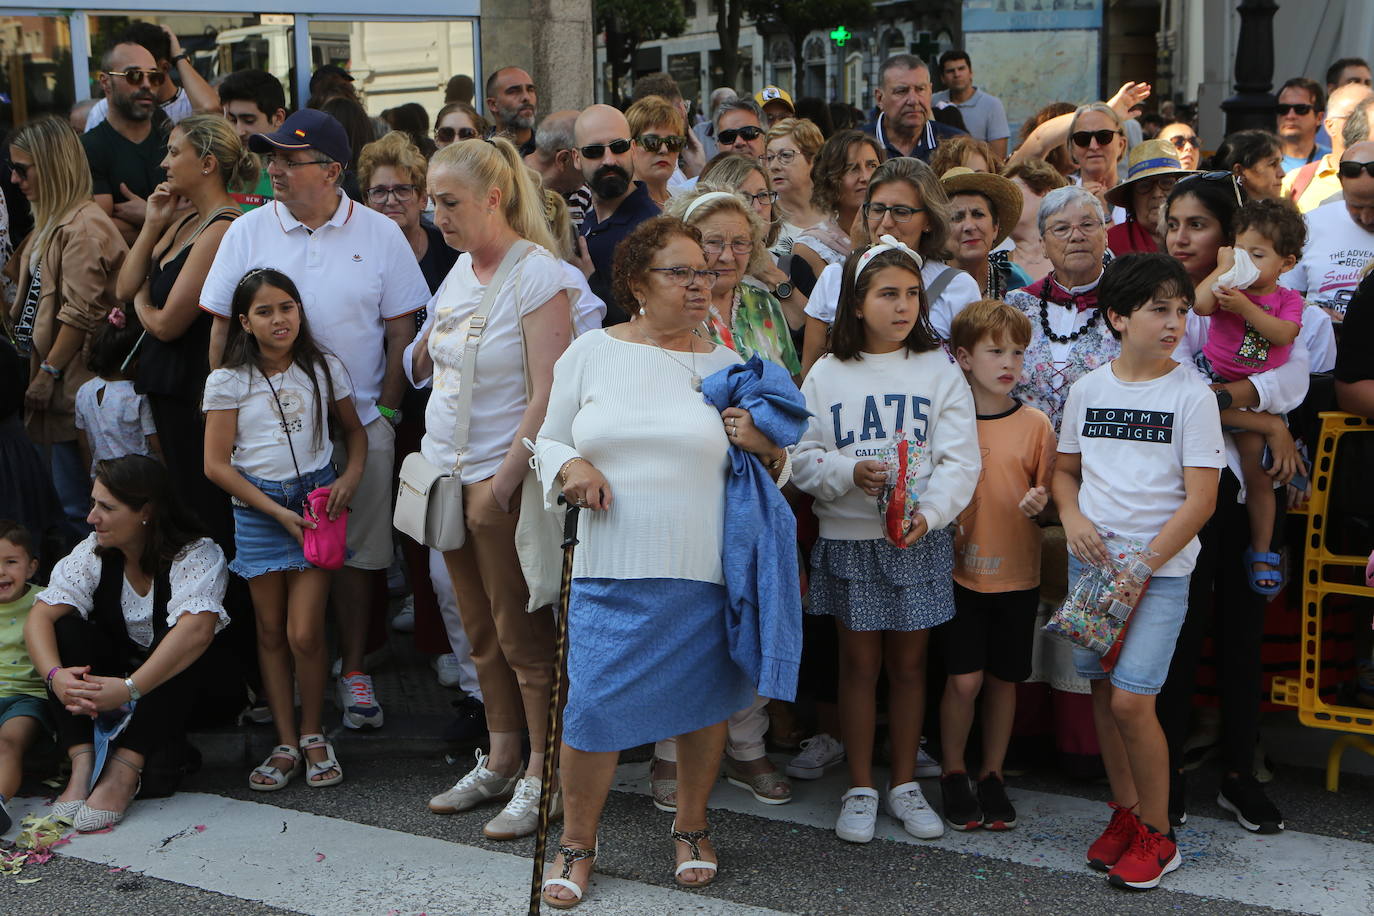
(126, 617)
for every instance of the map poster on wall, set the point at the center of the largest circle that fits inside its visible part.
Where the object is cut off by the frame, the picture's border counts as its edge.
(1031, 15)
(1066, 68)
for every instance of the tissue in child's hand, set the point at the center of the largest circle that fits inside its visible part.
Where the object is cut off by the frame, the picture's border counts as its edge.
(1241, 275)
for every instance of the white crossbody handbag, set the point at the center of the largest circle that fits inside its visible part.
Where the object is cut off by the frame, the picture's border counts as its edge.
(429, 500)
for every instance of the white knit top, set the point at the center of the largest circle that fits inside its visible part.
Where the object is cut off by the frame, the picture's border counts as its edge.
(630, 410)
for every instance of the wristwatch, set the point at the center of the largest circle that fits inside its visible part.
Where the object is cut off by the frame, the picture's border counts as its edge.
(783, 290)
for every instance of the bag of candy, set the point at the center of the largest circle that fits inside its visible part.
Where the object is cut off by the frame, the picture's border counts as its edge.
(1097, 610)
(899, 500)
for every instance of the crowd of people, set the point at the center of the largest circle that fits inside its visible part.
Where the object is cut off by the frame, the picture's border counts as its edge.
(913, 375)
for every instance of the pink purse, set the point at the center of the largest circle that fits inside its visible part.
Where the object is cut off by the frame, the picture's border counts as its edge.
(326, 545)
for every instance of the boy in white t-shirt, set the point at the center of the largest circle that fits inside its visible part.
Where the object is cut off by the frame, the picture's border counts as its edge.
(1140, 453)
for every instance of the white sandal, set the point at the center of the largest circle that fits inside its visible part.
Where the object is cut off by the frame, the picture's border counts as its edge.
(571, 856)
(693, 840)
(277, 776)
(330, 762)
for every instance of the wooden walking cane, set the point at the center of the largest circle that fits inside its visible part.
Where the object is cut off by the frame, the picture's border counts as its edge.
(554, 727)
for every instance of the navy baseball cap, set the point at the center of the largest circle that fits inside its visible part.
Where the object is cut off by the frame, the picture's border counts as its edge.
(329, 70)
(307, 129)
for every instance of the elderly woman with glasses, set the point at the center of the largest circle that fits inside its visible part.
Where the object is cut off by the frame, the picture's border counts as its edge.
(660, 133)
(792, 147)
(1153, 171)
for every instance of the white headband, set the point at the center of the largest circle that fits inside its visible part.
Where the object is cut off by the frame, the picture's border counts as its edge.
(886, 243)
(706, 198)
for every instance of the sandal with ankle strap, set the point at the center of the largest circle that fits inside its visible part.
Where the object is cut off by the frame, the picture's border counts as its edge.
(66, 811)
(693, 840)
(91, 820)
(663, 791)
(277, 776)
(317, 770)
(571, 856)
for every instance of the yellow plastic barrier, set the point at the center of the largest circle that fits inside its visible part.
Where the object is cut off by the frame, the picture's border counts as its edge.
(1304, 691)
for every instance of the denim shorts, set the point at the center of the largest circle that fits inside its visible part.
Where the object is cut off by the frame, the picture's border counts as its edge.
(21, 704)
(1144, 661)
(261, 544)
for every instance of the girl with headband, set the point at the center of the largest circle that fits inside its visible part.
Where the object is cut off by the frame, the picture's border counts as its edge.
(885, 380)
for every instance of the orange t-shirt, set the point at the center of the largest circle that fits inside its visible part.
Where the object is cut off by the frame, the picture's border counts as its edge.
(996, 546)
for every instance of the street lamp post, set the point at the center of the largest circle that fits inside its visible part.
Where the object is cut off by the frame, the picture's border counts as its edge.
(1253, 104)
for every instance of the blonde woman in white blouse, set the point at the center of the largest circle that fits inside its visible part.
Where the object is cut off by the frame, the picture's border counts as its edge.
(126, 617)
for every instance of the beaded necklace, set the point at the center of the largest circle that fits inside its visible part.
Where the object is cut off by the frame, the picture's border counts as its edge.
(1045, 317)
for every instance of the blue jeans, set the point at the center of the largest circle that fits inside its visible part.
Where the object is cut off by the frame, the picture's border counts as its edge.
(1143, 663)
(72, 480)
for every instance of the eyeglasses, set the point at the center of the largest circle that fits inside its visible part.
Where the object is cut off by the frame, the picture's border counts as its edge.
(271, 159)
(716, 246)
(449, 134)
(1181, 142)
(783, 157)
(1302, 108)
(21, 169)
(876, 212)
(136, 75)
(1085, 137)
(686, 276)
(598, 150)
(653, 142)
(761, 198)
(1352, 169)
(1163, 183)
(1215, 176)
(404, 193)
(1064, 230)
(727, 137)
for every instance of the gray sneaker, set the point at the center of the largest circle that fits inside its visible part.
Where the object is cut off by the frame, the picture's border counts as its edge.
(478, 786)
(520, 817)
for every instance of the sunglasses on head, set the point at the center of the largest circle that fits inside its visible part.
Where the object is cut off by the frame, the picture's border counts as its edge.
(1213, 176)
(653, 142)
(1181, 142)
(726, 137)
(1352, 169)
(449, 134)
(1302, 108)
(598, 150)
(136, 75)
(1085, 137)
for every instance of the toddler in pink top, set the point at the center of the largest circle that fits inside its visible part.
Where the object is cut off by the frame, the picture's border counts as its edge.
(1252, 330)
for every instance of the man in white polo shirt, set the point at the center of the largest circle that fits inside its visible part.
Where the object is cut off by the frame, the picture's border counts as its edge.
(358, 279)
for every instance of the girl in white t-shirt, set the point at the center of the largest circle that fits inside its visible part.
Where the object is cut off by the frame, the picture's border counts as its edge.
(112, 419)
(267, 445)
(886, 377)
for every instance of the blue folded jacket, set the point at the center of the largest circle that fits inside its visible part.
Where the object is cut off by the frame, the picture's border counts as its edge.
(764, 618)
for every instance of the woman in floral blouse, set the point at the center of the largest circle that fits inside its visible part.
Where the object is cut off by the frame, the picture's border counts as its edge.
(744, 317)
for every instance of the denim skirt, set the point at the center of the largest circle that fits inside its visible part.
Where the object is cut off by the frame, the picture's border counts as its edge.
(261, 544)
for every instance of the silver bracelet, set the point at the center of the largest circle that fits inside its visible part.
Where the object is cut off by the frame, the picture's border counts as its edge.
(133, 689)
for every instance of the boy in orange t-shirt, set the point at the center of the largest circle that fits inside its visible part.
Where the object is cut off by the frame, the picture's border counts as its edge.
(987, 646)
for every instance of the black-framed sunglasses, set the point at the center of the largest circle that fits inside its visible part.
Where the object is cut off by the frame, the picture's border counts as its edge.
(1301, 108)
(404, 193)
(748, 132)
(686, 276)
(1214, 176)
(1185, 142)
(21, 169)
(1352, 169)
(450, 134)
(1084, 138)
(653, 142)
(136, 75)
(598, 150)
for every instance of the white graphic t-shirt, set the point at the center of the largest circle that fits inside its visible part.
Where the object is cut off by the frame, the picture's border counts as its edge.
(1336, 253)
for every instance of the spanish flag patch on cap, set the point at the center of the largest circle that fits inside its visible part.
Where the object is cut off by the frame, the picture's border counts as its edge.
(300, 133)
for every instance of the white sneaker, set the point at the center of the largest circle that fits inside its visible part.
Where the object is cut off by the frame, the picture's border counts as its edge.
(858, 815)
(908, 804)
(404, 621)
(449, 670)
(520, 817)
(477, 786)
(358, 702)
(818, 754)
(927, 767)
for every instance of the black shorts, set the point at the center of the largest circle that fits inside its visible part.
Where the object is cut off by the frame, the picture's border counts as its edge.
(992, 632)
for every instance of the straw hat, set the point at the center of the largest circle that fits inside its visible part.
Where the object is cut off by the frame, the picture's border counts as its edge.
(1148, 159)
(1002, 192)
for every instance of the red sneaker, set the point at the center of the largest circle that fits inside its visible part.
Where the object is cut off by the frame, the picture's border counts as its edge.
(1152, 856)
(1108, 849)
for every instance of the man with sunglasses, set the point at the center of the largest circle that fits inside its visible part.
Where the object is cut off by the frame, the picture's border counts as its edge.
(904, 126)
(194, 95)
(1340, 237)
(1317, 182)
(555, 161)
(619, 203)
(1302, 104)
(125, 151)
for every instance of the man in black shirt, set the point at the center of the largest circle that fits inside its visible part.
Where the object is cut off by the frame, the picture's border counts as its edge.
(511, 100)
(127, 149)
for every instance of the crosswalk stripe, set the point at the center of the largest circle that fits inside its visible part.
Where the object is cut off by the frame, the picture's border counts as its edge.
(1295, 871)
(322, 865)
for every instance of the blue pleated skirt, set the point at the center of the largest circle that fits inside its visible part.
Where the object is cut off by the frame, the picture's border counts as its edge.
(647, 659)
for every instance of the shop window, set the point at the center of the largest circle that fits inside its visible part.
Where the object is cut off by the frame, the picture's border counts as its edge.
(35, 68)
